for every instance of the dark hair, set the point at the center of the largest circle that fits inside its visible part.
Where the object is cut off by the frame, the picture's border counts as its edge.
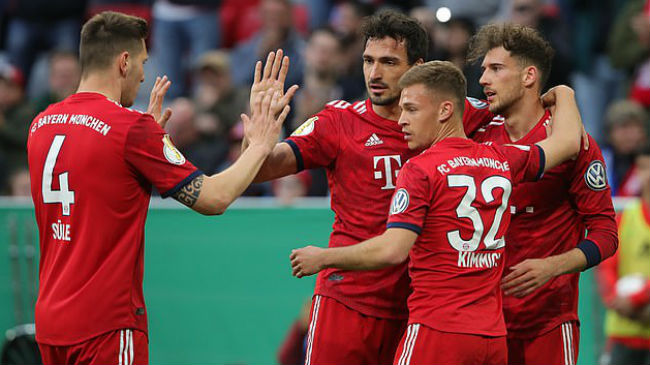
(645, 150)
(389, 23)
(106, 35)
(441, 77)
(523, 43)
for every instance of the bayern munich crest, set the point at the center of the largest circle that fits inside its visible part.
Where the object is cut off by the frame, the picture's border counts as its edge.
(596, 177)
(400, 201)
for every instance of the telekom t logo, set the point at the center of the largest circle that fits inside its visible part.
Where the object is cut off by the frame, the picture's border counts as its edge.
(387, 172)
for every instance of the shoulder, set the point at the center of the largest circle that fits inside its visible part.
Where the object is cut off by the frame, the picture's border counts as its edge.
(496, 124)
(343, 106)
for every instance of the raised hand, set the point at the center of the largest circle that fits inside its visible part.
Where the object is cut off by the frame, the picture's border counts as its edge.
(156, 100)
(306, 261)
(549, 101)
(272, 78)
(264, 126)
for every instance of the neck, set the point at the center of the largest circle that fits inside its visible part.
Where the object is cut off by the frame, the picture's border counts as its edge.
(521, 117)
(391, 111)
(101, 83)
(451, 129)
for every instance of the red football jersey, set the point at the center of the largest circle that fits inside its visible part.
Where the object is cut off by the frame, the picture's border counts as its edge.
(92, 163)
(455, 197)
(362, 153)
(549, 217)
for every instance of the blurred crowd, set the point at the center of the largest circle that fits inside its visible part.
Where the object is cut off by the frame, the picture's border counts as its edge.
(208, 48)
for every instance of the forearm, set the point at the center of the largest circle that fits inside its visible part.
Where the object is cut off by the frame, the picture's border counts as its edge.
(569, 262)
(564, 141)
(375, 253)
(228, 185)
(280, 162)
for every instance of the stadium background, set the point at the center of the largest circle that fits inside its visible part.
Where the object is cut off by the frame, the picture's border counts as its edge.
(219, 289)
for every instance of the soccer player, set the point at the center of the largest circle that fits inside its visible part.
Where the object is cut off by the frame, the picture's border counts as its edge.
(357, 317)
(93, 163)
(449, 214)
(546, 238)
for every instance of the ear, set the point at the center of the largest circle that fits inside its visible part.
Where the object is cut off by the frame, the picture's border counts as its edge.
(124, 60)
(530, 76)
(446, 110)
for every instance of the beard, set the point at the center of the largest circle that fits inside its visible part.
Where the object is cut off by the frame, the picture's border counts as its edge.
(384, 99)
(505, 103)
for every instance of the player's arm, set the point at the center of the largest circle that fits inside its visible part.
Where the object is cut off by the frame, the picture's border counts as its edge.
(388, 249)
(564, 141)
(213, 194)
(591, 198)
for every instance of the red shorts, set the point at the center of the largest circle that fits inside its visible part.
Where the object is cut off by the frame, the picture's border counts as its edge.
(121, 347)
(424, 345)
(340, 335)
(557, 346)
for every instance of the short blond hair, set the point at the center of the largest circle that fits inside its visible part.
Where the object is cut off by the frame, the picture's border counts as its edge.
(440, 77)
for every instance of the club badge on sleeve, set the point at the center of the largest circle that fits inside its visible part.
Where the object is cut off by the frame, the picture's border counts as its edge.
(306, 127)
(596, 177)
(172, 154)
(400, 201)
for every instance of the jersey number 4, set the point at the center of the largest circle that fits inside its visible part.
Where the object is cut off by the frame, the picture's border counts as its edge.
(64, 195)
(466, 210)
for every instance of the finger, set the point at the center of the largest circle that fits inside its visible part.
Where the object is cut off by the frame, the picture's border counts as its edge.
(517, 281)
(284, 114)
(257, 104)
(266, 104)
(268, 65)
(293, 255)
(516, 289)
(512, 275)
(276, 64)
(289, 94)
(258, 72)
(524, 289)
(284, 70)
(245, 119)
(165, 117)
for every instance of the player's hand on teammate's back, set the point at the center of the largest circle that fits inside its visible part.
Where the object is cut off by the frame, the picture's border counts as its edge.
(263, 127)
(306, 261)
(156, 100)
(272, 78)
(527, 276)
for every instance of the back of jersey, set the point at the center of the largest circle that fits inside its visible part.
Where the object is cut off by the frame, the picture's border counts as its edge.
(455, 196)
(90, 193)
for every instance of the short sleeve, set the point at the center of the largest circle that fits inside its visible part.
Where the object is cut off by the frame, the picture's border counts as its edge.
(316, 142)
(476, 115)
(526, 162)
(150, 151)
(411, 199)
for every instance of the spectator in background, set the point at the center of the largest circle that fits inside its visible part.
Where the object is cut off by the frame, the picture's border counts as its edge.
(322, 61)
(346, 20)
(458, 32)
(596, 82)
(628, 337)
(64, 78)
(41, 25)
(627, 132)
(629, 48)
(19, 183)
(553, 28)
(183, 28)
(293, 348)
(436, 33)
(15, 117)
(277, 32)
(215, 93)
(288, 188)
(195, 134)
